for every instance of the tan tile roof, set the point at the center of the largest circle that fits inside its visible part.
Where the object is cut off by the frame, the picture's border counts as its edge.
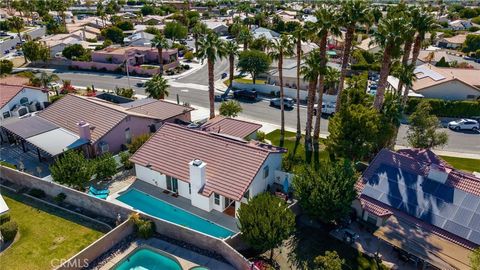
(230, 126)
(458, 39)
(160, 109)
(442, 75)
(231, 164)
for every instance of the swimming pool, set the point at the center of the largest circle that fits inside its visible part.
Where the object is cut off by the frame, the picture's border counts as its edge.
(158, 208)
(148, 259)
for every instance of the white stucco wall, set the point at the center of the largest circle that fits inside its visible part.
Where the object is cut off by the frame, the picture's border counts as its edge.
(31, 94)
(453, 90)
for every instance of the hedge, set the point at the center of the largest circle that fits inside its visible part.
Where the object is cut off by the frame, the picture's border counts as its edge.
(446, 108)
(9, 230)
(4, 218)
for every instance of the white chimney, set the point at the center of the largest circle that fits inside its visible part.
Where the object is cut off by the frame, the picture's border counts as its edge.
(198, 170)
(438, 173)
(84, 130)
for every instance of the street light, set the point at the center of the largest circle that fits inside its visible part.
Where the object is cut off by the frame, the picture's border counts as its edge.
(128, 74)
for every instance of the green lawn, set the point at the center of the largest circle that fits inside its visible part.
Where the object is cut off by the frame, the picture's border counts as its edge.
(466, 164)
(45, 235)
(246, 81)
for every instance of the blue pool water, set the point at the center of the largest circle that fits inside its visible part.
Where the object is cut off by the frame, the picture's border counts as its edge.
(163, 210)
(147, 259)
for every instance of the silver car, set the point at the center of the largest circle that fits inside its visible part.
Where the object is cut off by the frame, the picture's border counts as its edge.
(467, 124)
(287, 102)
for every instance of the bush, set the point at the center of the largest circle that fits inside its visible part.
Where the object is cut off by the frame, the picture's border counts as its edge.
(9, 229)
(60, 198)
(125, 159)
(446, 108)
(188, 56)
(55, 98)
(143, 227)
(4, 218)
(186, 67)
(260, 135)
(137, 142)
(37, 193)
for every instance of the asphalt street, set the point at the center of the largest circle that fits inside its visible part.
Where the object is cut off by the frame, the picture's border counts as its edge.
(193, 89)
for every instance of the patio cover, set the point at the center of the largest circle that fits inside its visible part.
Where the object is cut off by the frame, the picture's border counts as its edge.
(56, 141)
(425, 245)
(3, 206)
(29, 126)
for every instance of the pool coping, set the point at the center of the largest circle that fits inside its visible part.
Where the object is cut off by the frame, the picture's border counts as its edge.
(145, 246)
(120, 193)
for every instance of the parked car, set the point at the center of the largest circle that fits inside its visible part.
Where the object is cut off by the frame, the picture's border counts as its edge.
(245, 94)
(327, 109)
(224, 75)
(467, 124)
(287, 102)
(142, 83)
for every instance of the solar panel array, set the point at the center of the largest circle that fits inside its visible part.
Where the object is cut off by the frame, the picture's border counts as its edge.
(426, 72)
(443, 206)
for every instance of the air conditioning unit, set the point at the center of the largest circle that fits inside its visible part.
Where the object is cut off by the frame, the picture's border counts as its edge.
(103, 147)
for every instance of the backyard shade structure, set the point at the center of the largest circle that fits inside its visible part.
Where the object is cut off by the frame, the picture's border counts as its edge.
(3, 206)
(44, 135)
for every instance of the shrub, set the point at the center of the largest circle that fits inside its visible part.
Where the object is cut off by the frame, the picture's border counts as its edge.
(55, 98)
(9, 229)
(137, 142)
(60, 198)
(125, 159)
(37, 193)
(143, 227)
(260, 135)
(186, 67)
(9, 165)
(4, 218)
(446, 108)
(188, 56)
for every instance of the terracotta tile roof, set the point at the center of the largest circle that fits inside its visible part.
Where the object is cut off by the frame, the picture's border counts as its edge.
(231, 164)
(159, 109)
(374, 207)
(230, 126)
(436, 75)
(10, 87)
(71, 109)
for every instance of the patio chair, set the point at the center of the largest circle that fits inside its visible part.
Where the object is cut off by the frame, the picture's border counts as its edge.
(95, 191)
(100, 196)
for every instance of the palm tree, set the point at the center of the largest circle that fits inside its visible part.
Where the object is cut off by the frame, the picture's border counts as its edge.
(231, 49)
(389, 36)
(279, 48)
(310, 72)
(160, 42)
(157, 87)
(17, 24)
(199, 30)
(423, 22)
(405, 73)
(352, 12)
(299, 35)
(45, 79)
(211, 48)
(327, 23)
(409, 34)
(245, 37)
(332, 78)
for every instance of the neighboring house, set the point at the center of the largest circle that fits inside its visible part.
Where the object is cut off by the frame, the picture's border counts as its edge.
(104, 126)
(452, 42)
(287, 15)
(153, 19)
(459, 25)
(419, 203)
(433, 56)
(17, 99)
(56, 43)
(267, 33)
(140, 38)
(368, 45)
(57, 16)
(445, 83)
(232, 127)
(219, 27)
(215, 171)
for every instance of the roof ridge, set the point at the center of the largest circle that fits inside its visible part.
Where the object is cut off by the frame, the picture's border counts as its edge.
(101, 103)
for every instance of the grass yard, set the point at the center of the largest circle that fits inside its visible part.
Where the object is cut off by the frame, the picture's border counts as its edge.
(46, 234)
(466, 164)
(245, 81)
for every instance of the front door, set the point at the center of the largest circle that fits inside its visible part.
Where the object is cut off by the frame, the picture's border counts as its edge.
(172, 184)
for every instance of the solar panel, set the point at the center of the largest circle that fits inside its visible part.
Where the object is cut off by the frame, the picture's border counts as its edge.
(471, 201)
(447, 210)
(458, 196)
(445, 193)
(474, 237)
(463, 216)
(475, 221)
(372, 192)
(430, 186)
(457, 229)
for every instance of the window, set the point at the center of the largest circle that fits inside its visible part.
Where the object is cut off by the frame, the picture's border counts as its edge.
(246, 195)
(172, 184)
(6, 115)
(216, 198)
(103, 147)
(266, 172)
(128, 136)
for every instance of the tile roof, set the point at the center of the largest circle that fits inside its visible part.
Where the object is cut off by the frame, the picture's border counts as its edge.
(429, 75)
(231, 164)
(10, 87)
(158, 109)
(230, 126)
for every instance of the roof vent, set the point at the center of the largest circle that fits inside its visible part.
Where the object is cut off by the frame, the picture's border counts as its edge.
(197, 162)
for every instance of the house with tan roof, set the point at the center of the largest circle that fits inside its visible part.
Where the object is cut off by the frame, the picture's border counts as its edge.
(216, 172)
(230, 126)
(452, 42)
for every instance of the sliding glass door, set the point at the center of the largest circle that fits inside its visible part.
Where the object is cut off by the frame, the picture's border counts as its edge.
(172, 184)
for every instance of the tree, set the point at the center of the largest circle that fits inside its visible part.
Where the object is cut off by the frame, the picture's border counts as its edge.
(299, 36)
(137, 142)
(6, 67)
(45, 80)
(352, 13)
(124, 25)
(442, 63)
(326, 192)
(261, 44)
(211, 48)
(310, 72)
(104, 166)
(231, 49)
(72, 169)
(61, 6)
(408, 36)
(245, 37)
(16, 23)
(175, 30)
(332, 78)
(230, 108)
(329, 261)
(160, 42)
(253, 62)
(475, 259)
(280, 48)
(157, 87)
(74, 50)
(472, 43)
(422, 132)
(114, 34)
(124, 92)
(265, 222)
(423, 22)
(405, 73)
(199, 30)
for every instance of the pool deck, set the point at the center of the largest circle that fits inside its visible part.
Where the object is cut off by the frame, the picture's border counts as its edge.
(215, 216)
(187, 258)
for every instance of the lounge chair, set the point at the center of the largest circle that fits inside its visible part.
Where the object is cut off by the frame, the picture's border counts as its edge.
(100, 196)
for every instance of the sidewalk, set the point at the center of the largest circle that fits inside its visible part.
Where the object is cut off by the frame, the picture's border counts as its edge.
(446, 153)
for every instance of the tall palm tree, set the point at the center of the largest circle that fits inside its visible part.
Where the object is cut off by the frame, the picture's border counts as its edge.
(245, 37)
(160, 42)
(45, 79)
(17, 24)
(352, 12)
(157, 87)
(332, 78)
(389, 36)
(299, 35)
(211, 48)
(423, 22)
(405, 73)
(409, 35)
(199, 30)
(310, 71)
(231, 49)
(280, 48)
(327, 23)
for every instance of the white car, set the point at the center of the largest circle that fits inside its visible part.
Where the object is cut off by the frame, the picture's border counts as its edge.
(327, 108)
(467, 124)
